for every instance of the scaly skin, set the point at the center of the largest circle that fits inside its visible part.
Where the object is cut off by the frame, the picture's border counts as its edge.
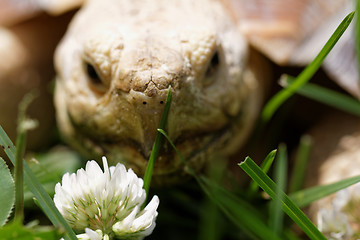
(138, 49)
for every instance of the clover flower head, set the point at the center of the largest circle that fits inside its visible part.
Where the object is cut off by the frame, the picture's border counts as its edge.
(92, 235)
(334, 224)
(342, 220)
(106, 204)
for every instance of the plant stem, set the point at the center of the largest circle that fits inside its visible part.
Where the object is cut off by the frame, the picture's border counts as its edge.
(19, 176)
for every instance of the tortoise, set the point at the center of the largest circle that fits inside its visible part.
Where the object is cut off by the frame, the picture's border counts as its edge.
(118, 59)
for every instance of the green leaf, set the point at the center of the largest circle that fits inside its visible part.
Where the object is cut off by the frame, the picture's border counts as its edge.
(304, 197)
(326, 96)
(157, 144)
(274, 103)
(255, 172)
(299, 169)
(276, 218)
(35, 187)
(15, 230)
(7, 192)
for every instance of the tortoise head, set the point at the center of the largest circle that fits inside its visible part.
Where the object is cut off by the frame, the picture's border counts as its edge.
(116, 64)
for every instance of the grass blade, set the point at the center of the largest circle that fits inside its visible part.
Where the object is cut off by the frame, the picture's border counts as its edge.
(274, 103)
(299, 169)
(326, 96)
(35, 187)
(255, 172)
(157, 144)
(276, 214)
(304, 197)
(210, 223)
(265, 166)
(242, 214)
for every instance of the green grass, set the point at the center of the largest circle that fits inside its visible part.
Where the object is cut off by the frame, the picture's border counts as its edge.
(276, 101)
(300, 165)
(265, 166)
(288, 206)
(305, 197)
(157, 144)
(276, 215)
(329, 97)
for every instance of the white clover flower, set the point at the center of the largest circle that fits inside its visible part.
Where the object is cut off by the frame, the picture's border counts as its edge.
(334, 224)
(341, 199)
(108, 202)
(341, 221)
(92, 235)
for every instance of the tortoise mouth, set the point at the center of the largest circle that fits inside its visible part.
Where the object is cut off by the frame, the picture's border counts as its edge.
(169, 168)
(196, 147)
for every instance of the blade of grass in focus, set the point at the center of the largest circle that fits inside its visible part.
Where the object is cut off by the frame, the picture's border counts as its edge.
(241, 213)
(157, 144)
(274, 103)
(265, 166)
(255, 172)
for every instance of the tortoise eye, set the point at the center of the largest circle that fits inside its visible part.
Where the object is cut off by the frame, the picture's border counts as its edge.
(96, 83)
(213, 65)
(92, 74)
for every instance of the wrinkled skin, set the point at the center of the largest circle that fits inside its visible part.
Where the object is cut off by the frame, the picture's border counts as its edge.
(116, 63)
